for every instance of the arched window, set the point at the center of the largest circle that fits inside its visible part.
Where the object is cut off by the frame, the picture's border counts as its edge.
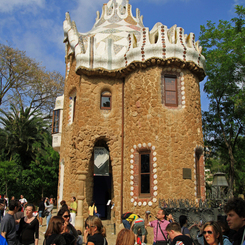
(105, 102)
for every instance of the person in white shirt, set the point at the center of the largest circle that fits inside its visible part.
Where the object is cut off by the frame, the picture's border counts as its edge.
(23, 202)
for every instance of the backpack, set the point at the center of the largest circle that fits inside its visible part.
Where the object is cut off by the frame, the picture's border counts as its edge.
(125, 215)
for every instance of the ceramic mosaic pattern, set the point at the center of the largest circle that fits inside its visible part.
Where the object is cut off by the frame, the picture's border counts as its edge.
(115, 23)
(181, 36)
(143, 45)
(133, 173)
(129, 46)
(163, 42)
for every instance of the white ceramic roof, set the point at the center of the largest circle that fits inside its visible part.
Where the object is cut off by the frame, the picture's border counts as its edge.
(118, 39)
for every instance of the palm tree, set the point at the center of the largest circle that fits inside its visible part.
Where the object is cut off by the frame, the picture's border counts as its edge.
(22, 131)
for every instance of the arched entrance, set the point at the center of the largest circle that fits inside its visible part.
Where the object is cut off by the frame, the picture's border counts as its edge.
(102, 179)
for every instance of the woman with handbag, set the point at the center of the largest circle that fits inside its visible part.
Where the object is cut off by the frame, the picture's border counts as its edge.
(92, 210)
(28, 232)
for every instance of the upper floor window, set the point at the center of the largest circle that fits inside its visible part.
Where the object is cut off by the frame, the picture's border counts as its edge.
(145, 174)
(72, 106)
(56, 121)
(170, 90)
(105, 102)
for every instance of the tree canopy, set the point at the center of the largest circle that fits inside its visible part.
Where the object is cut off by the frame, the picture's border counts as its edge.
(26, 83)
(223, 125)
(28, 163)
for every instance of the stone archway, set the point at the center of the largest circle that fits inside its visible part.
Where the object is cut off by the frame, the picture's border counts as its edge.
(102, 186)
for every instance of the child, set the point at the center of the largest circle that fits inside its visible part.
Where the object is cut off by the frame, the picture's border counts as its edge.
(80, 238)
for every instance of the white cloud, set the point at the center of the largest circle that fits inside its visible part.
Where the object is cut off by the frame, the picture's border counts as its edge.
(84, 13)
(10, 5)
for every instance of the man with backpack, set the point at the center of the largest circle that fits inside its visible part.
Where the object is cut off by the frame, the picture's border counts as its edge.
(128, 218)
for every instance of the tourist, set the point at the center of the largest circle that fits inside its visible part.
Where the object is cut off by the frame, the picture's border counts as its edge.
(128, 218)
(212, 234)
(174, 232)
(29, 227)
(86, 230)
(41, 208)
(18, 216)
(73, 210)
(6, 203)
(53, 233)
(92, 209)
(3, 241)
(235, 211)
(225, 232)
(23, 202)
(137, 224)
(159, 226)
(2, 206)
(63, 204)
(125, 237)
(49, 208)
(183, 225)
(68, 227)
(8, 229)
(79, 238)
(96, 231)
(170, 218)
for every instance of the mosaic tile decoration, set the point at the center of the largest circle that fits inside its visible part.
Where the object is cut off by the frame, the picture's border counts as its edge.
(114, 26)
(115, 18)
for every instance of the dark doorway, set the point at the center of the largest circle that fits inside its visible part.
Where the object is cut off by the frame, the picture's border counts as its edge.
(102, 191)
(102, 194)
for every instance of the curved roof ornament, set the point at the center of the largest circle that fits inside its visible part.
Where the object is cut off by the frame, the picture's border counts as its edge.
(118, 39)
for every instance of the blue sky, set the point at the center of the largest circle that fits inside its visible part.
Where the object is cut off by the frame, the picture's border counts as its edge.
(36, 26)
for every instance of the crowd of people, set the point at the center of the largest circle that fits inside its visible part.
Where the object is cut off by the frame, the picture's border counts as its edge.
(167, 231)
(20, 225)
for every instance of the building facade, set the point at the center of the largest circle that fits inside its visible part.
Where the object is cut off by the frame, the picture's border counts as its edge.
(128, 127)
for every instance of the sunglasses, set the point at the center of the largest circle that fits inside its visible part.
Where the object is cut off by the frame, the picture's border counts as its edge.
(209, 232)
(66, 216)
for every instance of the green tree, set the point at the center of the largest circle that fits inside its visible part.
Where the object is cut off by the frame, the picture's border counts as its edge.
(25, 82)
(9, 172)
(21, 129)
(224, 48)
(42, 175)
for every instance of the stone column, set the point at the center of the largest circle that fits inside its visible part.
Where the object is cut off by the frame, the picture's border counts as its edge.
(80, 200)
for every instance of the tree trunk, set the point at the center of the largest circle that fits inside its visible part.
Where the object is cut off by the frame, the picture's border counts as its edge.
(232, 171)
(6, 188)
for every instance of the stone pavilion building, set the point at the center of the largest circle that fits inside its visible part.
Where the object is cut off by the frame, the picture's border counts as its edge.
(128, 127)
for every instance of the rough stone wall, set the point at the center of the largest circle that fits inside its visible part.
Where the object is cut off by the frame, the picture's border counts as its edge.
(90, 125)
(174, 132)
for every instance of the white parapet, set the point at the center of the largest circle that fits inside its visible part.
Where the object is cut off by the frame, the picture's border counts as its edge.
(119, 39)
